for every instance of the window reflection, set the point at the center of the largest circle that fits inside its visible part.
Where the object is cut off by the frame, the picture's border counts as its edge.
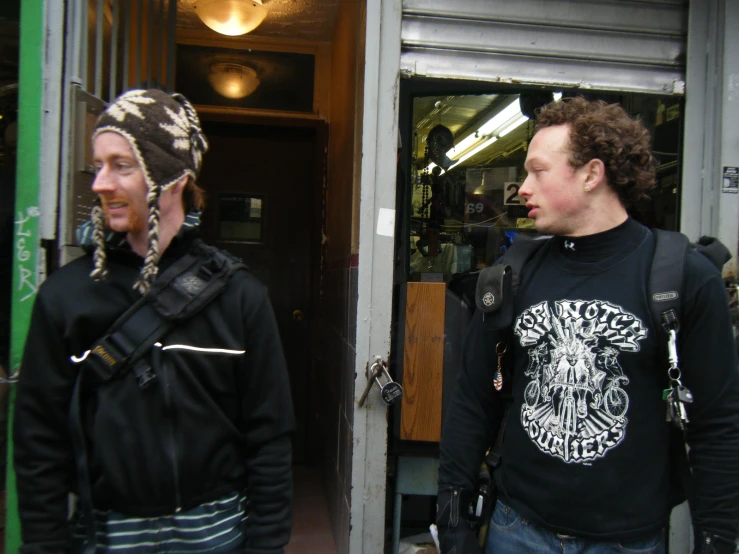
(468, 154)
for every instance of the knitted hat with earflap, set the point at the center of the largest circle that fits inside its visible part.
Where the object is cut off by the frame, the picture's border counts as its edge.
(165, 136)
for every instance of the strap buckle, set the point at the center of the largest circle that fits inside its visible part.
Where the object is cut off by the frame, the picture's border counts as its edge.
(105, 359)
(144, 374)
(670, 320)
(492, 459)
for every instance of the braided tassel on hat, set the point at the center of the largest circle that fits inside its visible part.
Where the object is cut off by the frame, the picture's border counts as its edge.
(151, 261)
(100, 271)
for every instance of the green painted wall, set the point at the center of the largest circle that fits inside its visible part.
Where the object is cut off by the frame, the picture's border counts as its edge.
(26, 238)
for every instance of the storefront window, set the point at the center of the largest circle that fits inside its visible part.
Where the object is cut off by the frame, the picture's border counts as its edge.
(467, 163)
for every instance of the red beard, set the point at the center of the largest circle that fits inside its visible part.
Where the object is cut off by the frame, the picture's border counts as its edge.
(135, 223)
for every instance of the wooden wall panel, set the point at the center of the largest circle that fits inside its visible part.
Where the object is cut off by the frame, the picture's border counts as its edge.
(423, 362)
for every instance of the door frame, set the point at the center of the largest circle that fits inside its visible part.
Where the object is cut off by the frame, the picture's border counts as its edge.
(375, 271)
(209, 114)
(711, 113)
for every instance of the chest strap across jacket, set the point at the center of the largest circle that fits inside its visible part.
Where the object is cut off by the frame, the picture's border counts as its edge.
(181, 291)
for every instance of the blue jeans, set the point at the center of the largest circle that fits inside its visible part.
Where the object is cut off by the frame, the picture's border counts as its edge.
(509, 533)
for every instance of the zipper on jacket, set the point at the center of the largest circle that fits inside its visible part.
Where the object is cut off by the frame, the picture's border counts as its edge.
(158, 359)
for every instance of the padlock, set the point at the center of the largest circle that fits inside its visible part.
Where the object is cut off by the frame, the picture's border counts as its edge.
(391, 391)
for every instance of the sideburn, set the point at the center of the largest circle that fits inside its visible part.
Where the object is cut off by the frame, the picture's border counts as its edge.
(135, 223)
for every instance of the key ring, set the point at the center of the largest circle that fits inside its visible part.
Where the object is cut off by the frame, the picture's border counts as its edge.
(674, 374)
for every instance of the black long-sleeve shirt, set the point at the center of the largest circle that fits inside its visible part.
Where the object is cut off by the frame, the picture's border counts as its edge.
(586, 443)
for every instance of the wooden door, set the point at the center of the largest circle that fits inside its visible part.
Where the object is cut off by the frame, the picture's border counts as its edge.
(260, 183)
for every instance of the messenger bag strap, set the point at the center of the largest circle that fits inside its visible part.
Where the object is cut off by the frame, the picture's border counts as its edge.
(182, 290)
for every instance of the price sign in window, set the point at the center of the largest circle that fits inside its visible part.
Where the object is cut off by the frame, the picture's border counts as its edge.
(487, 194)
(240, 218)
(511, 197)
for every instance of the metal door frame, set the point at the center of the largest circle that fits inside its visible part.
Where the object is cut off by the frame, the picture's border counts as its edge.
(375, 271)
(711, 132)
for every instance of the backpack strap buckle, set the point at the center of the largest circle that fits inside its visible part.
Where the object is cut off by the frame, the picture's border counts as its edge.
(131, 335)
(670, 321)
(105, 359)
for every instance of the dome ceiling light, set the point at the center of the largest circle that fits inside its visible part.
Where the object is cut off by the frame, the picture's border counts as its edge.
(231, 17)
(233, 80)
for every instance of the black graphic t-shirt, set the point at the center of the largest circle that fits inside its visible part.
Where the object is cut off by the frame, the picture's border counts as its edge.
(586, 443)
(585, 450)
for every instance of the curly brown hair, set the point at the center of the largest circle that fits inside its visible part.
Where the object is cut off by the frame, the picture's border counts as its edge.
(606, 132)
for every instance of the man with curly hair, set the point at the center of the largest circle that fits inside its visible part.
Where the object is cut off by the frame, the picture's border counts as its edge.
(585, 464)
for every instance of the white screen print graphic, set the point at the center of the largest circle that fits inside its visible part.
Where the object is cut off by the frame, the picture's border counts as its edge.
(575, 401)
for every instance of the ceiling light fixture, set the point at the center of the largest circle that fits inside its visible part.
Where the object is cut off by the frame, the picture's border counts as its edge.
(514, 124)
(474, 151)
(463, 145)
(231, 17)
(501, 124)
(233, 80)
(468, 155)
(491, 127)
(501, 118)
(489, 130)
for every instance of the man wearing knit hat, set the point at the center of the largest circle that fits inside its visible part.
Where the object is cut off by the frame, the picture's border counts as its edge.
(187, 447)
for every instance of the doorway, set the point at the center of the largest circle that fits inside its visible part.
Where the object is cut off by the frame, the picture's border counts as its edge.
(263, 185)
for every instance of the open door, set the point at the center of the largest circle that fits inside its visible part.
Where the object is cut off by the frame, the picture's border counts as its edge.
(262, 210)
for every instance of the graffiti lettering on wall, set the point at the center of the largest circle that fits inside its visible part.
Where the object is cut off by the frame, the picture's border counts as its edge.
(23, 239)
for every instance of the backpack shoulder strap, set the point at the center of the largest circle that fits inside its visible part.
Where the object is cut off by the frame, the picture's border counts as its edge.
(497, 284)
(666, 278)
(181, 291)
(192, 282)
(519, 254)
(665, 301)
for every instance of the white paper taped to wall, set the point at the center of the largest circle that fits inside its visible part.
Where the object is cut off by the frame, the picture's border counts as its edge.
(386, 222)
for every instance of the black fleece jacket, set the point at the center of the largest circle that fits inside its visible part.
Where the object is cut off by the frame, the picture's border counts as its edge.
(215, 422)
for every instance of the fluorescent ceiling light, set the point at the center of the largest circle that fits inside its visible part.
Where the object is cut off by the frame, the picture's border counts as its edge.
(474, 151)
(504, 122)
(487, 129)
(512, 125)
(467, 155)
(463, 145)
(502, 117)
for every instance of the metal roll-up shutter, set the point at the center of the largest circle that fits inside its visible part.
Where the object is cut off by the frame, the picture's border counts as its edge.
(623, 45)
